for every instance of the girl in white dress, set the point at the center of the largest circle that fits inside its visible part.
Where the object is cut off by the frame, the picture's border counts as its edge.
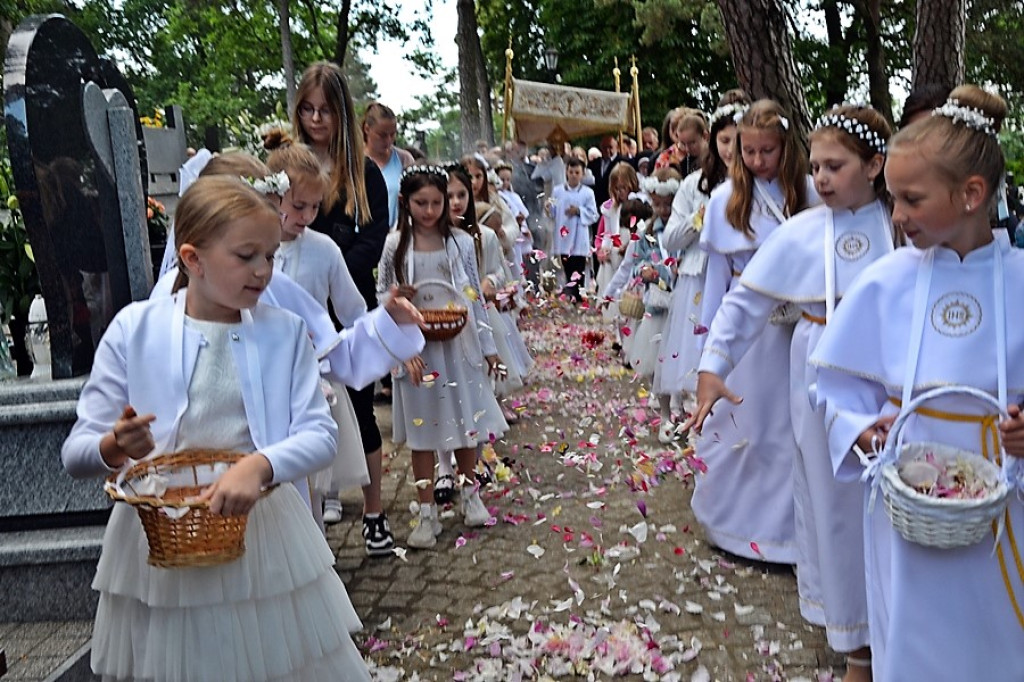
(620, 216)
(744, 500)
(932, 316)
(810, 261)
(443, 400)
(649, 265)
(209, 367)
(676, 371)
(314, 262)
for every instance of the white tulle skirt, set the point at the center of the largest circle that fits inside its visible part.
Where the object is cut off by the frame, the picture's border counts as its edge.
(523, 359)
(348, 470)
(514, 377)
(644, 346)
(280, 612)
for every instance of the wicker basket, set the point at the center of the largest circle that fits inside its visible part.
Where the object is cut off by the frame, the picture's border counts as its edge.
(631, 304)
(939, 522)
(198, 537)
(442, 324)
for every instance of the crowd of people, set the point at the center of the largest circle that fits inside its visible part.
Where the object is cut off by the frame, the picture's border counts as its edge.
(783, 298)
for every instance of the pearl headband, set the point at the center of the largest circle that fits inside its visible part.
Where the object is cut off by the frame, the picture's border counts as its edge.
(973, 118)
(425, 170)
(853, 127)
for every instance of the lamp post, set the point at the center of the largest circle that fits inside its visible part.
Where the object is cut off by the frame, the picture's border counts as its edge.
(551, 63)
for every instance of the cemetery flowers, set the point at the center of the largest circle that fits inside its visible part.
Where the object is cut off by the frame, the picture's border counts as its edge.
(156, 220)
(154, 121)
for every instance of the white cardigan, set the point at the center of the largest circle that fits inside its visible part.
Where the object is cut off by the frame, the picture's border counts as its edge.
(382, 343)
(146, 358)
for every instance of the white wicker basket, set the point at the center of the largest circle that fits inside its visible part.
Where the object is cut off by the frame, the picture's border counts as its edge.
(939, 522)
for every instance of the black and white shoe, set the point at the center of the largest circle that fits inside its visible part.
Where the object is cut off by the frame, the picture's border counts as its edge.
(377, 535)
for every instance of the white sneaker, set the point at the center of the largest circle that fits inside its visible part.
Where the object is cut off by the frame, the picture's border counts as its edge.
(473, 510)
(332, 511)
(667, 433)
(428, 527)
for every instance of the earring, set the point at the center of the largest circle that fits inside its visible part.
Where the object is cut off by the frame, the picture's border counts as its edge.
(968, 208)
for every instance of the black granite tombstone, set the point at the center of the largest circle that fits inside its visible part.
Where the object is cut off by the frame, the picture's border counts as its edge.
(70, 206)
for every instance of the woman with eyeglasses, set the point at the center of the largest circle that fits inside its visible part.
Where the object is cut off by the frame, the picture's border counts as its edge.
(354, 213)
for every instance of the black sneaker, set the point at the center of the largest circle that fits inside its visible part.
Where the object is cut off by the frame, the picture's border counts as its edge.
(377, 535)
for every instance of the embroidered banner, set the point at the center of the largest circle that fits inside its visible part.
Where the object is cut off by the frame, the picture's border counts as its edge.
(542, 111)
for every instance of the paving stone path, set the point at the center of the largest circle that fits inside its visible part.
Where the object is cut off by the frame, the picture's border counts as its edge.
(572, 577)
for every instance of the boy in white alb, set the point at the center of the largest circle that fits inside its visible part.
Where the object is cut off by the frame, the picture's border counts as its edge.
(573, 209)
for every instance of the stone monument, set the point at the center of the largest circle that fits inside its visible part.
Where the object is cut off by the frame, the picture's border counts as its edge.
(79, 165)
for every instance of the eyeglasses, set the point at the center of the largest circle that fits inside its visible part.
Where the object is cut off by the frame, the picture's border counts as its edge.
(307, 110)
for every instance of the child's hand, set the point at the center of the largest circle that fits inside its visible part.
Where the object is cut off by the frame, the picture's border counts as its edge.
(648, 274)
(130, 438)
(572, 211)
(401, 309)
(495, 368)
(710, 389)
(602, 255)
(874, 436)
(414, 369)
(404, 290)
(1012, 431)
(488, 289)
(235, 493)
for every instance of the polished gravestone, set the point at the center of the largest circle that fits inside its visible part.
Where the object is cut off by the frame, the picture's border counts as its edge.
(78, 161)
(69, 201)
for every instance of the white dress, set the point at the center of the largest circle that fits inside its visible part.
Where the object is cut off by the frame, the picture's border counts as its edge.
(457, 409)
(607, 237)
(644, 349)
(280, 611)
(314, 262)
(830, 576)
(494, 269)
(676, 370)
(936, 614)
(744, 500)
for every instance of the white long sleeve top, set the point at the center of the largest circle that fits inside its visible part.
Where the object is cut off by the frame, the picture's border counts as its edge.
(146, 359)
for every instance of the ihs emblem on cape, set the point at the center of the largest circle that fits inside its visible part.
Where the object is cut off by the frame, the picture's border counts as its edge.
(852, 246)
(956, 314)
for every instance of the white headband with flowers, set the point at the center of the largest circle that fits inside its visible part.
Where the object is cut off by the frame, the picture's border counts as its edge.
(652, 185)
(425, 170)
(852, 126)
(729, 110)
(973, 118)
(278, 184)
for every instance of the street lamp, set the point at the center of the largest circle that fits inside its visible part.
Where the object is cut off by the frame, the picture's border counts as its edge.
(551, 60)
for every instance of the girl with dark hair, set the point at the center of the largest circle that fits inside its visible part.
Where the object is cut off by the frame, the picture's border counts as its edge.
(443, 399)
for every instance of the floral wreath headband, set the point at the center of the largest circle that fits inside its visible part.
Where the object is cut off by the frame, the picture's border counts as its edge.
(278, 183)
(729, 110)
(853, 127)
(425, 170)
(652, 185)
(973, 118)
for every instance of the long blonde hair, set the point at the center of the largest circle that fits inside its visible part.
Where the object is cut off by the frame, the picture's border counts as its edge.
(348, 181)
(206, 209)
(766, 114)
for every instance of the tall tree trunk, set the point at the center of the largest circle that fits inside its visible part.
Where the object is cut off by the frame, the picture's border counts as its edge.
(878, 75)
(939, 42)
(471, 99)
(838, 54)
(484, 88)
(341, 43)
(287, 55)
(762, 54)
